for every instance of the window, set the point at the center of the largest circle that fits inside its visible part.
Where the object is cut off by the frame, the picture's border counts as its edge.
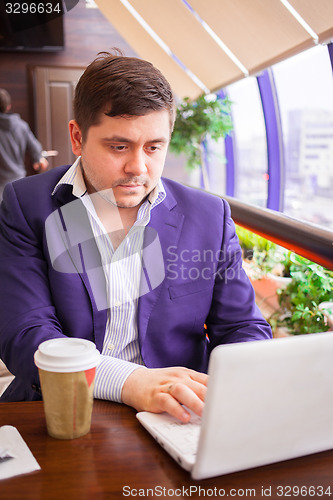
(305, 93)
(249, 142)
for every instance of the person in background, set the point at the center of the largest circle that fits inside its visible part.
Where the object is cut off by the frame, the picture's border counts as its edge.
(16, 139)
(109, 250)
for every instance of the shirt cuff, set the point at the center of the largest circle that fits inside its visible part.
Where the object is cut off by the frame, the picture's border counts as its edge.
(111, 374)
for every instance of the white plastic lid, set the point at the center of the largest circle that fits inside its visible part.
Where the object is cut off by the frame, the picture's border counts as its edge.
(67, 354)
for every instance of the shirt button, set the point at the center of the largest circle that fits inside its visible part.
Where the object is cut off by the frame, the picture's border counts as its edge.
(111, 347)
(117, 303)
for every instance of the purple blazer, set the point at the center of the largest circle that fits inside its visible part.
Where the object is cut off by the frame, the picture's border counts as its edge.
(48, 291)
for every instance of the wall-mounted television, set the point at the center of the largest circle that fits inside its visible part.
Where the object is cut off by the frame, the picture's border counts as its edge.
(31, 29)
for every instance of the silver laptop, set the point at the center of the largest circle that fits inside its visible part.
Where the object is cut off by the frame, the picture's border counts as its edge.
(267, 401)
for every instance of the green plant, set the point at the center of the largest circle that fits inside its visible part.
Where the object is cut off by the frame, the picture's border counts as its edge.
(207, 116)
(299, 311)
(263, 255)
(310, 285)
(274, 260)
(246, 241)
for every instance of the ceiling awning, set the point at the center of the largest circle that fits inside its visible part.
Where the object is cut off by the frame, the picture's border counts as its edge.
(204, 45)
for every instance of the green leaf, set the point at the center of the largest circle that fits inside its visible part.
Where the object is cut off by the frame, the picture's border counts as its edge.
(208, 116)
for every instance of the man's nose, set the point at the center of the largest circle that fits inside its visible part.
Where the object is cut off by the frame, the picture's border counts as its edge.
(136, 164)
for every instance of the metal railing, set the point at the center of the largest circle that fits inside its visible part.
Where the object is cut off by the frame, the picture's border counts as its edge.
(309, 240)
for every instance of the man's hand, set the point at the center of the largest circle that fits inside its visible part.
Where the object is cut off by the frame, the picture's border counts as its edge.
(166, 390)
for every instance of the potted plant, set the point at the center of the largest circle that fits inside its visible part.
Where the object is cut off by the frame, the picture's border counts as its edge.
(196, 121)
(263, 256)
(267, 266)
(293, 293)
(306, 304)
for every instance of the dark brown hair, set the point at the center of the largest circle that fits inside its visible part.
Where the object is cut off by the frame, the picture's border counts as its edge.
(5, 100)
(120, 86)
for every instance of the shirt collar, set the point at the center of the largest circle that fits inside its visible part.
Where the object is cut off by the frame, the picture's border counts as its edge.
(74, 177)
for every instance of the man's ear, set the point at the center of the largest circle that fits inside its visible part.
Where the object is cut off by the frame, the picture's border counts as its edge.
(76, 137)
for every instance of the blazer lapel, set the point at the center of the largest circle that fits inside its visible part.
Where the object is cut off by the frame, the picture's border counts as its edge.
(162, 232)
(82, 254)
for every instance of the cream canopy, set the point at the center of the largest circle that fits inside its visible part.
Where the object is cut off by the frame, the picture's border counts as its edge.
(203, 45)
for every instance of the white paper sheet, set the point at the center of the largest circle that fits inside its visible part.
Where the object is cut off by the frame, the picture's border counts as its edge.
(23, 461)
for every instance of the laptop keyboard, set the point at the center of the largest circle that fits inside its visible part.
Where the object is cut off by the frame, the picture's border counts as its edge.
(183, 436)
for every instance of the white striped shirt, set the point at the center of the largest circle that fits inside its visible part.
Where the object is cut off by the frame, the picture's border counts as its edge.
(122, 269)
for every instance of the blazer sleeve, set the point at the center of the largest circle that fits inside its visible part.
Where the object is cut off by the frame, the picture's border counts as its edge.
(34, 308)
(27, 314)
(234, 315)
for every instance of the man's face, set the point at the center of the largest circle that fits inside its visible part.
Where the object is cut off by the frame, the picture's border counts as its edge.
(125, 155)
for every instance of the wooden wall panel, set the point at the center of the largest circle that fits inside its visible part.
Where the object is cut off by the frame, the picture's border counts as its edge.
(87, 32)
(53, 93)
(61, 92)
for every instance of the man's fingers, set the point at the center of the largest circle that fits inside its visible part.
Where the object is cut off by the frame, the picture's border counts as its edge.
(197, 382)
(189, 390)
(170, 405)
(186, 396)
(199, 389)
(202, 378)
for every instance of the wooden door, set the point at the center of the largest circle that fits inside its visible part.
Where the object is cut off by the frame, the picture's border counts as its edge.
(53, 102)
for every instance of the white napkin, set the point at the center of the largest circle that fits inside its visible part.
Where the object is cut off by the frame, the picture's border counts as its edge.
(17, 458)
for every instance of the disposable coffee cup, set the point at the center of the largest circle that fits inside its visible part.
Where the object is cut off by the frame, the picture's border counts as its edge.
(67, 369)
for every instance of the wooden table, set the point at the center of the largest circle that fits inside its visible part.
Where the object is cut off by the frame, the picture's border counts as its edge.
(118, 459)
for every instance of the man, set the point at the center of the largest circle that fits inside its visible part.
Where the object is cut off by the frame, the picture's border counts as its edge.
(108, 250)
(16, 139)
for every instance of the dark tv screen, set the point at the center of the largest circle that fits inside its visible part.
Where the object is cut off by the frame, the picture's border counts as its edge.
(24, 29)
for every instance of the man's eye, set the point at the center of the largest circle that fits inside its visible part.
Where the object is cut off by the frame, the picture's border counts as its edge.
(118, 148)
